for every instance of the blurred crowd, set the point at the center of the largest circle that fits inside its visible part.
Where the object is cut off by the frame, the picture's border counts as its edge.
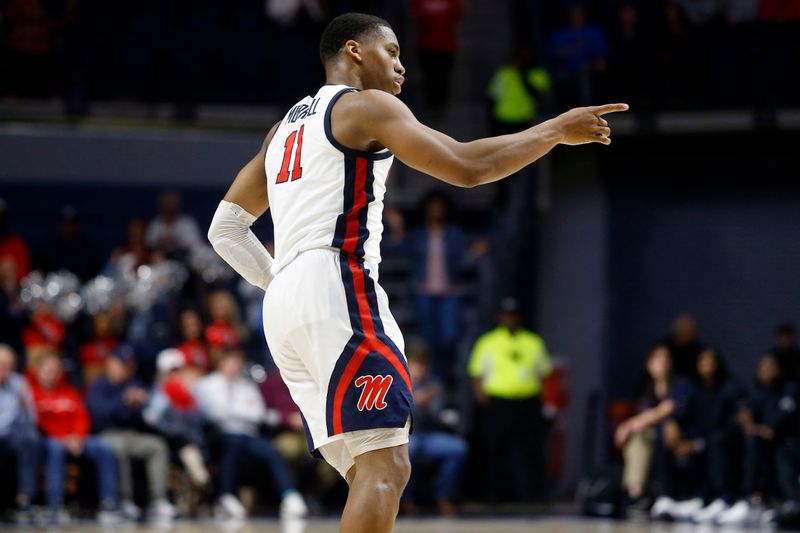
(655, 54)
(148, 373)
(704, 447)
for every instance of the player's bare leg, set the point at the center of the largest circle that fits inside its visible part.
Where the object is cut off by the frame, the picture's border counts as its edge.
(376, 484)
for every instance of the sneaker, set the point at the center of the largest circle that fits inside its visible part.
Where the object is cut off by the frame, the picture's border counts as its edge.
(684, 510)
(25, 516)
(160, 511)
(709, 513)
(662, 508)
(293, 506)
(737, 514)
(112, 517)
(58, 517)
(230, 508)
(130, 510)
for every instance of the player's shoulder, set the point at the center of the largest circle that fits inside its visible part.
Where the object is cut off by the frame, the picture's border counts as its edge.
(369, 104)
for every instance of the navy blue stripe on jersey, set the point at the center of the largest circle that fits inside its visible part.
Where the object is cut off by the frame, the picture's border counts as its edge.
(351, 231)
(344, 149)
(340, 232)
(400, 399)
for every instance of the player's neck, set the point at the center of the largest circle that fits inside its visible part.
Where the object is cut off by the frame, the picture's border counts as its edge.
(340, 75)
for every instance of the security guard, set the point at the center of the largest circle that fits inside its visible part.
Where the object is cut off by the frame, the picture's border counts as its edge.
(507, 367)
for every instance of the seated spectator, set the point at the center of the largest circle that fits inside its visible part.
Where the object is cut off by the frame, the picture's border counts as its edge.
(232, 403)
(684, 345)
(93, 353)
(174, 412)
(787, 351)
(226, 329)
(18, 437)
(641, 436)
(578, 52)
(45, 333)
(291, 437)
(171, 231)
(64, 423)
(193, 344)
(703, 444)
(767, 420)
(12, 247)
(69, 249)
(116, 401)
(135, 251)
(507, 367)
(13, 315)
(431, 441)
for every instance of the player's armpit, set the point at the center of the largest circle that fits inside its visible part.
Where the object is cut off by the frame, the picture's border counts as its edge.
(249, 189)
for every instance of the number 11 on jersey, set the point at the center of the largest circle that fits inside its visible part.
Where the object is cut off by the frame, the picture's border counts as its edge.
(297, 170)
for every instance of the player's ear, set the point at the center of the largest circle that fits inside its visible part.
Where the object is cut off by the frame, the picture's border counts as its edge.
(353, 49)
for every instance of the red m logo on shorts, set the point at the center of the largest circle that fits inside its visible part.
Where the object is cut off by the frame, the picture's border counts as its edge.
(374, 392)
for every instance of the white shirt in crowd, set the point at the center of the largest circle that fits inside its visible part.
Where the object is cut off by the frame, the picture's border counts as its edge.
(233, 406)
(183, 232)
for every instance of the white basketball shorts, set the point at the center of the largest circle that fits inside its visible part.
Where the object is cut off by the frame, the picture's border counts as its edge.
(340, 352)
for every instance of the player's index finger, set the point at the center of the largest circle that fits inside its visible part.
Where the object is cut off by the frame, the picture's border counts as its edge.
(609, 108)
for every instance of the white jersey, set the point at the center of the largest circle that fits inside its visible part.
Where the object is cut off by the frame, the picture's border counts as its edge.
(323, 194)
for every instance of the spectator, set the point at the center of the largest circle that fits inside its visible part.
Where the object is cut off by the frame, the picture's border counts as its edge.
(226, 329)
(193, 347)
(291, 437)
(93, 353)
(641, 436)
(787, 352)
(630, 54)
(767, 420)
(516, 91)
(233, 404)
(578, 53)
(684, 346)
(44, 333)
(440, 251)
(18, 437)
(13, 315)
(64, 424)
(703, 443)
(174, 412)
(171, 231)
(116, 401)
(437, 45)
(135, 251)
(12, 247)
(507, 367)
(431, 441)
(69, 249)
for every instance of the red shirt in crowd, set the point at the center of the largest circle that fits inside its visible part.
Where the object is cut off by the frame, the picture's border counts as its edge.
(13, 247)
(61, 411)
(44, 330)
(179, 394)
(95, 351)
(196, 354)
(779, 10)
(220, 334)
(436, 22)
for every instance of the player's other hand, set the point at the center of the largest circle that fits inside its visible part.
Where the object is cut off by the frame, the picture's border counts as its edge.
(584, 125)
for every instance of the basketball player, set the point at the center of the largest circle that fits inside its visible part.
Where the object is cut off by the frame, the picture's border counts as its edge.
(322, 171)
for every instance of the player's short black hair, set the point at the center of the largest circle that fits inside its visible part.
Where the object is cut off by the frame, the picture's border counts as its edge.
(346, 27)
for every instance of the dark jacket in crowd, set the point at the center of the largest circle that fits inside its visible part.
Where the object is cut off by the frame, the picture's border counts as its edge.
(108, 408)
(712, 409)
(775, 408)
(456, 247)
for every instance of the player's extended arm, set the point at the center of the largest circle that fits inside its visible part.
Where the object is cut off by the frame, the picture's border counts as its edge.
(385, 120)
(230, 232)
